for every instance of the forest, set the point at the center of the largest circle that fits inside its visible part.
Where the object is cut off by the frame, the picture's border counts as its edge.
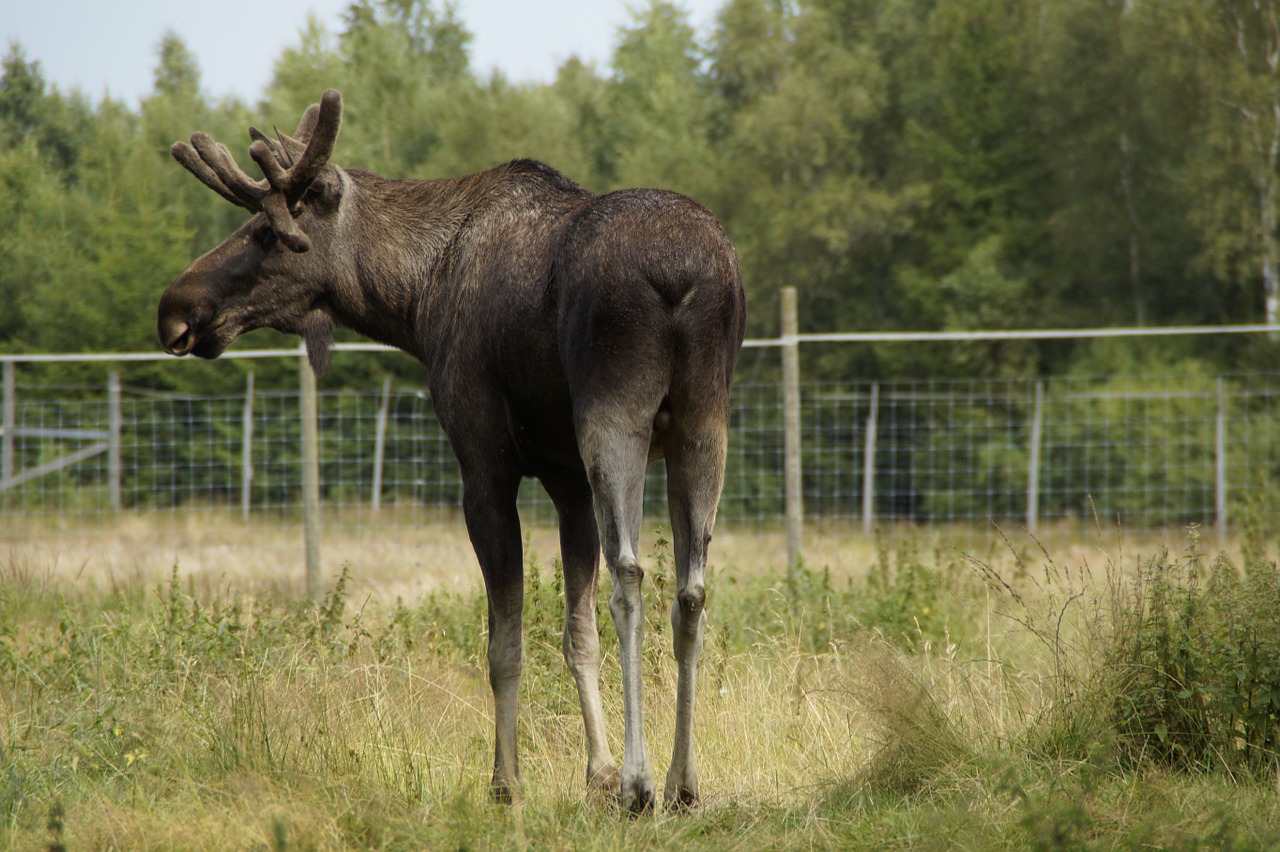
(905, 164)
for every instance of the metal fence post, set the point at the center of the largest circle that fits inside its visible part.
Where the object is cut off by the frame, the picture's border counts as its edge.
(310, 474)
(115, 424)
(380, 444)
(246, 449)
(1220, 462)
(793, 494)
(1033, 459)
(9, 423)
(869, 465)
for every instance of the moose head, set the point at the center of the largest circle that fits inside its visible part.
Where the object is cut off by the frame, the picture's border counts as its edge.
(275, 269)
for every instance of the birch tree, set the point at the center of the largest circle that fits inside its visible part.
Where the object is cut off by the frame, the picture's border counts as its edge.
(1232, 183)
(1253, 95)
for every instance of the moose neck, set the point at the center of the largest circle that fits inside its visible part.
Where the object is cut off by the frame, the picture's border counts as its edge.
(399, 233)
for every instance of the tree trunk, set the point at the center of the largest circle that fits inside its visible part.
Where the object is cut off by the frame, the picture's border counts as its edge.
(1267, 221)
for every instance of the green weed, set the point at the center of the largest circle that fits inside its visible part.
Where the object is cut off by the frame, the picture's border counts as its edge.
(1197, 662)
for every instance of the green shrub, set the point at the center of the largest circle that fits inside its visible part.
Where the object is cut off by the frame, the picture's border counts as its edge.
(1197, 657)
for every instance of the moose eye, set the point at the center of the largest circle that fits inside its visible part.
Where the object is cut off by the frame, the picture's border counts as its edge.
(268, 239)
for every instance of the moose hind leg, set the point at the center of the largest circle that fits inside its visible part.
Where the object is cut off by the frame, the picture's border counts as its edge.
(615, 456)
(695, 474)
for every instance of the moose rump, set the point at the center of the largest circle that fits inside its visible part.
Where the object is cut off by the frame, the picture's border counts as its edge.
(643, 278)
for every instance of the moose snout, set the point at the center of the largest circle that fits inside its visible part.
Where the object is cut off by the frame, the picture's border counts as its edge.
(176, 337)
(181, 318)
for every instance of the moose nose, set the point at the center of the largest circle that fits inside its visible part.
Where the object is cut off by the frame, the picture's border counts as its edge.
(176, 336)
(181, 315)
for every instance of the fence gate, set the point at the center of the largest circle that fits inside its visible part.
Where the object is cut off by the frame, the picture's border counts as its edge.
(105, 441)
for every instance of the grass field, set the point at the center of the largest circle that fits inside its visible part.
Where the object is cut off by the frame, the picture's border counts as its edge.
(1090, 693)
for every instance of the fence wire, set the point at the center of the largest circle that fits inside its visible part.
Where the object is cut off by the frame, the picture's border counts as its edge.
(224, 472)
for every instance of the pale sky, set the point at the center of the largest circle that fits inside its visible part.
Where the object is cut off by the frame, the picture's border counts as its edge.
(109, 46)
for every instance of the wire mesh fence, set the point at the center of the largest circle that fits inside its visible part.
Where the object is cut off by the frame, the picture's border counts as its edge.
(219, 477)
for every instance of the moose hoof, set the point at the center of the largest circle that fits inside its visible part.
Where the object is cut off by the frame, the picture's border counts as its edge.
(606, 779)
(683, 801)
(639, 804)
(637, 797)
(502, 792)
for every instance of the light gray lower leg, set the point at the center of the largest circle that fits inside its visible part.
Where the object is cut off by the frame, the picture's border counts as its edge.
(581, 645)
(626, 604)
(580, 549)
(695, 472)
(615, 464)
(688, 627)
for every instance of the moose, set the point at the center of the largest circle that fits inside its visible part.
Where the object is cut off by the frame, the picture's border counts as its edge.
(568, 336)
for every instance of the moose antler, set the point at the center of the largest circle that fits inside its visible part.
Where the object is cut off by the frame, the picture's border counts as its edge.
(291, 165)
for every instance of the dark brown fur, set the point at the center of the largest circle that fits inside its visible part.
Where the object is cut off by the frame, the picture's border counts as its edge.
(568, 336)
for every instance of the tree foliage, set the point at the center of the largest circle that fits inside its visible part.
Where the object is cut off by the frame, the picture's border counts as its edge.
(906, 164)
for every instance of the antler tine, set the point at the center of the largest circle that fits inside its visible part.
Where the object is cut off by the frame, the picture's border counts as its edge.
(277, 203)
(307, 125)
(191, 161)
(321, 134)
(248, 192)
(280, 147)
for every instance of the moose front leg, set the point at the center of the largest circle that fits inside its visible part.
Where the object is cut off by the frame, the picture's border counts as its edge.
(494, 527)
(580, 550)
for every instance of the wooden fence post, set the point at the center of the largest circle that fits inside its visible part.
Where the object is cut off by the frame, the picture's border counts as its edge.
(1033, 459)
(869, 465)
(246, 449)
(1220, 461)
(310, 475)
(9, 422)
(115, 424)
(380, 445)
(791, 446)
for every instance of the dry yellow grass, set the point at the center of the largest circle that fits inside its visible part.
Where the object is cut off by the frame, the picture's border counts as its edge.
(419, 737)
(364, 739)
(406, 551)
